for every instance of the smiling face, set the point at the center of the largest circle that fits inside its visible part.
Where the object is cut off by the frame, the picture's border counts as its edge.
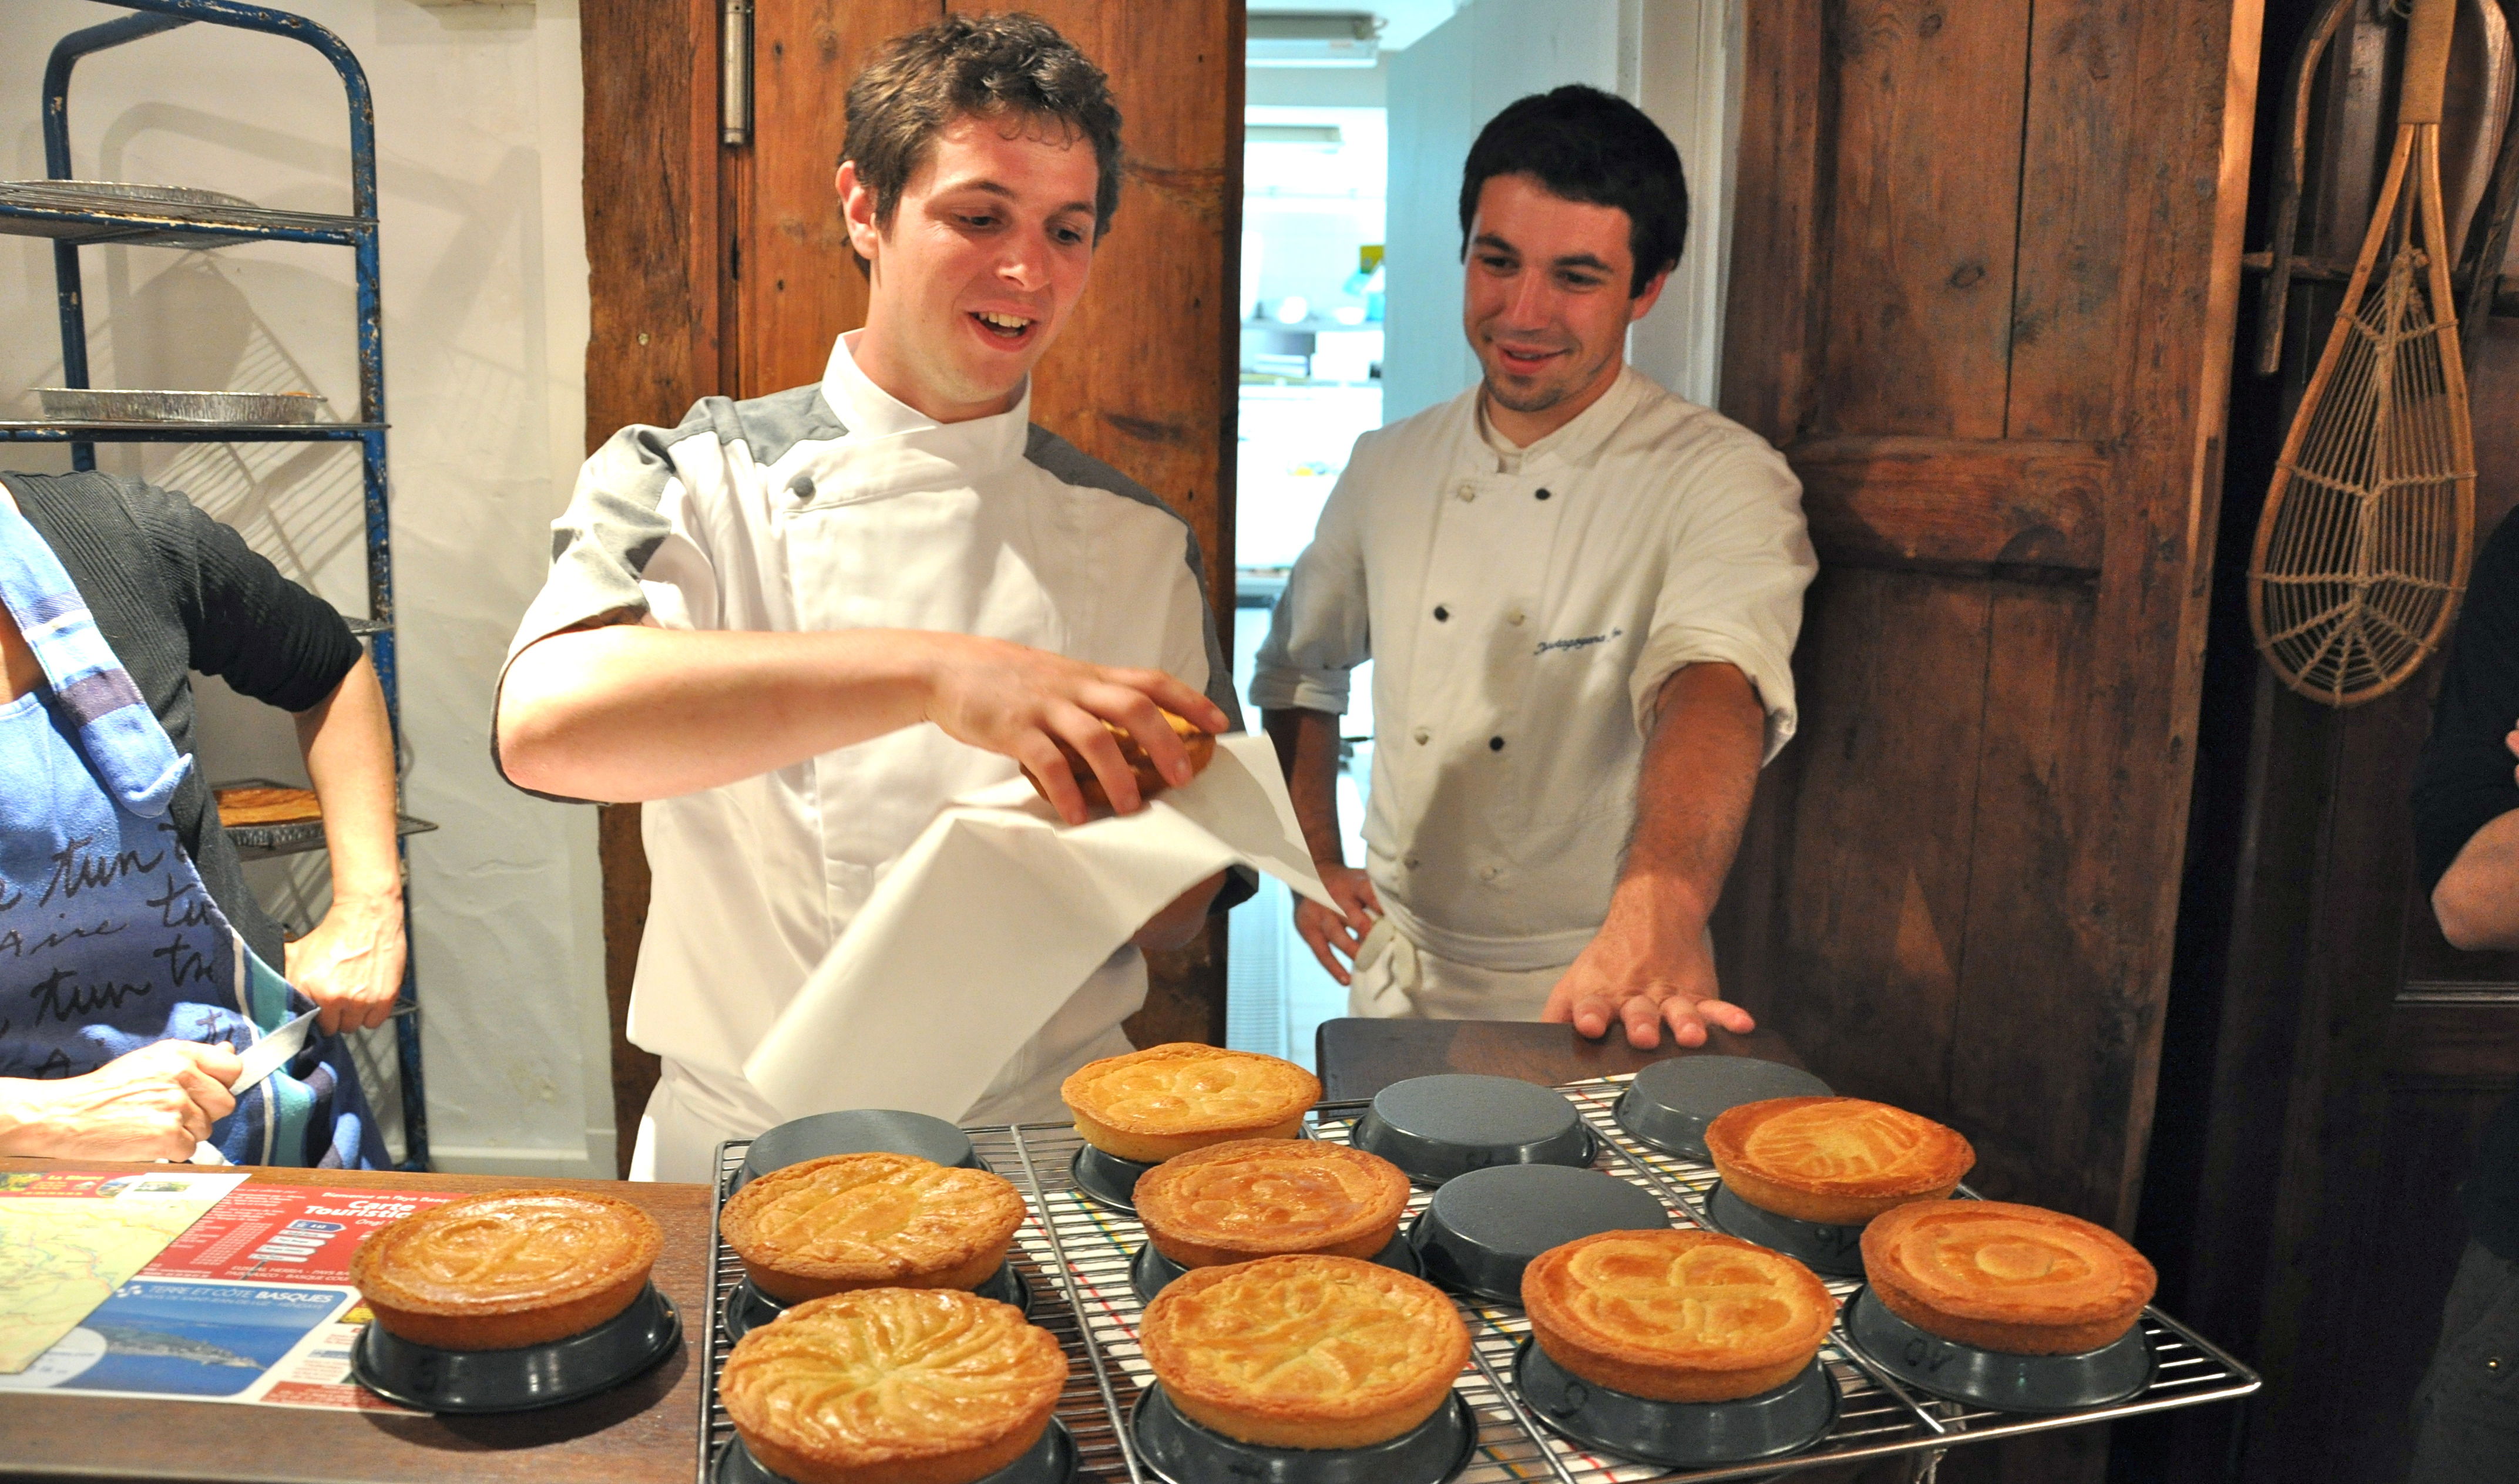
(1545, 303)
(985, 255)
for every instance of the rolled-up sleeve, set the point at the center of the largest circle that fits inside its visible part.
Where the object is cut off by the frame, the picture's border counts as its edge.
(626, 549)
(1732, 591)
(1319, 632)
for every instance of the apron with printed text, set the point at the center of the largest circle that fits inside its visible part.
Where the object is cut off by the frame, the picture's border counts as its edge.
(108, 941)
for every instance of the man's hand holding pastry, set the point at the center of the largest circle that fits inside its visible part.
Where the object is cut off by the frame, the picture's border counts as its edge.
(1038, 707)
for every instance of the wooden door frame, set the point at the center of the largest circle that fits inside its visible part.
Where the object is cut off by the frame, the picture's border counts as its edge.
(658, 199)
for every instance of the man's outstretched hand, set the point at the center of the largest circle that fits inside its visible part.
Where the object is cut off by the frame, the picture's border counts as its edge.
(1644, 971)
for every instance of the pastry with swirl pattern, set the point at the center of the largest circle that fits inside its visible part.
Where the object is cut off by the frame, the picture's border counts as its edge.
(893, 1386)
(1837, 1160)
(1305, 1352)
(505, 1270)
(1271, 1198)
(2018, 1279)
(1676, 1316)
(1168, 1100)
(870, 1221)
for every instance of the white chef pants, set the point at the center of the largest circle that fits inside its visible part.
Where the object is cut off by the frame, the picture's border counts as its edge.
(1395, 979)
(690, 1115)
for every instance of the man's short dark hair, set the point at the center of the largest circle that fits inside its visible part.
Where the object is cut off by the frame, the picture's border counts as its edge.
(1588, 145)
(1011, 67)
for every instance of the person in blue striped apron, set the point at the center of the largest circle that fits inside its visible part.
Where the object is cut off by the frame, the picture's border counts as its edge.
(130, 982)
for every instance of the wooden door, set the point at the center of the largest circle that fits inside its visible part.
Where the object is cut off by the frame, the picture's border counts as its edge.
(2335, 1057)
(725, 270)
(1985, 267)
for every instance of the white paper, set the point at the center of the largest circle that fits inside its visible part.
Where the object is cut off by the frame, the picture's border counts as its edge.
(994, 917)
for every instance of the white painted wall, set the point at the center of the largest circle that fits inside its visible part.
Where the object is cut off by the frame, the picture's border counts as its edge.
(1675, 59)
(485, 298)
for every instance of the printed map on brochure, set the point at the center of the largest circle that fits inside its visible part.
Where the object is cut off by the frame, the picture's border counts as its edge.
(68, 1241)
(252, 1303)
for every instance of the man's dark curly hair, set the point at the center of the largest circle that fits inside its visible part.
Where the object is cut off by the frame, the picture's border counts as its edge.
(988, 67)
(1588, 145)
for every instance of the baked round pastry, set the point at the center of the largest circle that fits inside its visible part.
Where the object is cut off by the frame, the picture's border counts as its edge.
(505, 1270)
(1676, 1316)
(1271, 1198)
(870, 1221)
(893, 1386)
(1200, 745)
(1305, 1352)
(2018, 1279)
(267, 804)
(1168, 1100)
(1837, 1160)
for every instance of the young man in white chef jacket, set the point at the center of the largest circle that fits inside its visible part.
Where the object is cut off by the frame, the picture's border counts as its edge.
(1580, 593)
(799, 626)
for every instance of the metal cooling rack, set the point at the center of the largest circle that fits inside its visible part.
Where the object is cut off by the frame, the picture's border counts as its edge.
(1076, 1254)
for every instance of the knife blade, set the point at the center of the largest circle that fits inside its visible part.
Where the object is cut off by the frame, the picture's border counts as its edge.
(272, 1052)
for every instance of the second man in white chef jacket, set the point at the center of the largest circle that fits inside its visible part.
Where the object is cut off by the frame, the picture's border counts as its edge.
(1580, 593)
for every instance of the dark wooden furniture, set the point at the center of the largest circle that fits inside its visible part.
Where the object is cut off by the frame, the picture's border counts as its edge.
(642, 1431)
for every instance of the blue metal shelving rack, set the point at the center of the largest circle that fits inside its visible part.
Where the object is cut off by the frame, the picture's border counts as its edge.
(72, 221)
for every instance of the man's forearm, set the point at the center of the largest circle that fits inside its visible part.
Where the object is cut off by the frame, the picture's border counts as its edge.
(1308, 749)
(2477, 900)
(347, 741)
(629, 712)
(1693, 793)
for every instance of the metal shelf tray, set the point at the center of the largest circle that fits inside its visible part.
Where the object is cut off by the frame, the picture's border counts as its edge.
(1076, 1253)
(91, 212)
(54, 430)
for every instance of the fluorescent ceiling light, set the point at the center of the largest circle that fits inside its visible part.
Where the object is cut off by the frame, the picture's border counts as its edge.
(1320, 135)
(1312, 41)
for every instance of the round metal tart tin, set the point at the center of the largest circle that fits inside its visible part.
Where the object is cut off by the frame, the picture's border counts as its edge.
(1438, 1127)
(1051, 1460)
(1183, 1453)
(1107, 1178)
(1960, 1373)
(1831, 1252)
(1682, 1435)
(1150, 1272)
(1670, 1103)
(566, 1370)
(1483, 1228)
(857, 1131)
(747, 1308)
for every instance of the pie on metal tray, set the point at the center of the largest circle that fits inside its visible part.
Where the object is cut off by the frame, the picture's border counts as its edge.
(1676, 1316)
(1269, 1197)
(1305, 1352)
(2018, 1279)
(893, 1386)
(868, 1221)
(505, 1270)
(1837, 1160)
(1168, 1100)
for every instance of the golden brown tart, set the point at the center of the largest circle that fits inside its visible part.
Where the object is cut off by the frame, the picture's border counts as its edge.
(267, 804)
(1305, 1352)
(893, 1386)
(2002, 1276)
(870, 1221)
(1271, 1198)
(505, 1270)
(1676, 1316)
(1151, 1105)
(1837, 1161)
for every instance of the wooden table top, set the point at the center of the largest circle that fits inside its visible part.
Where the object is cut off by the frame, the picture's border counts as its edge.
(646, 1430)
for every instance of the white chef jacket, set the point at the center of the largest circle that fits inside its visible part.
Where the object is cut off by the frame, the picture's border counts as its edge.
(829, 507)
(1522, 622)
